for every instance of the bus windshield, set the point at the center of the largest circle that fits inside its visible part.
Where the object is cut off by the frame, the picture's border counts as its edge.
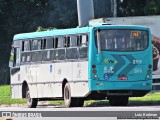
(123, 40)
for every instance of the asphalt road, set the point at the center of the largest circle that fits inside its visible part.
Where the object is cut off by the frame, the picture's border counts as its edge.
(93, 113)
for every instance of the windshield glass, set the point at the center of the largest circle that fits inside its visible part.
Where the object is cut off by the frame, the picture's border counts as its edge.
(123, 40)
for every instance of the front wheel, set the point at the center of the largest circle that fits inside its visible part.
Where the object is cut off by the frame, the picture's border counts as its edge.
(118, 101)
(31, 102)
(70, 101)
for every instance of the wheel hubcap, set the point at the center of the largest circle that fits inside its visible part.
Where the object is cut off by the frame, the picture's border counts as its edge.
(28, 98)
(67, 96)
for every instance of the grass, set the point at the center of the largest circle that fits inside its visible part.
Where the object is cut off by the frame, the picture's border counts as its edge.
(149, 99)
(5, 98)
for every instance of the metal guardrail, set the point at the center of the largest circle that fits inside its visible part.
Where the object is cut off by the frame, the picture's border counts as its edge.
(156, 83)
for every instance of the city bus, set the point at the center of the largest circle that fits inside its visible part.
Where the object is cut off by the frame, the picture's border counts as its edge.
(100, 61)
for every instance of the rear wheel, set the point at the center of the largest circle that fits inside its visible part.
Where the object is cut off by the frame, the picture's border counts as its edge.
(70, 101)
(31, 102)
(118, 101)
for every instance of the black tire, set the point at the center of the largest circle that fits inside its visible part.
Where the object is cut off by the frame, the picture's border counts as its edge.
(31, 102)
(118, 101)
(70, 101)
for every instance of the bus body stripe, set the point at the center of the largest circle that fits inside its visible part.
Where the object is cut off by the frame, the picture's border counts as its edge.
(130, 66)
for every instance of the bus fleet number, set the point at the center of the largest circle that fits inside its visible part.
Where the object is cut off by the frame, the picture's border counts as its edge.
(137, 61)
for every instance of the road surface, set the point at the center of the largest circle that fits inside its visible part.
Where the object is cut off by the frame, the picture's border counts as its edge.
(90, 113)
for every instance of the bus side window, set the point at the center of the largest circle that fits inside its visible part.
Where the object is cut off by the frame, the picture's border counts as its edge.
(60, 48)
(84, 41)
(49, 43)
(48, 53)
(35, 45)
(72, 49)
(73, 41)
(39, 44)
(61, 42)
(83, 46)
(26, 47)
(36, 50)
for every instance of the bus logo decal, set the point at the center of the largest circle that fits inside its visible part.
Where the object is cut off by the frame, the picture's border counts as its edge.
(121, 63)
(109, 70)
(106, 76)
(130, 66)
(118, 66)
(106, 60)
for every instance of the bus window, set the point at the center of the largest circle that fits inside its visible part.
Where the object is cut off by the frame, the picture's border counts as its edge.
(36, 55)
(83, 47)
(60, 48)
(123, 40)
(39, 47)
(26, 55)
(34, 44)
(26, 46)
(83, 41)
(61, 42)
(49, 43)
(48, 54)
(72, 50)
(73, 41)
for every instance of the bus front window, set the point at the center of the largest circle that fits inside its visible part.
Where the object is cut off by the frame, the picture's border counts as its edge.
(123, 40)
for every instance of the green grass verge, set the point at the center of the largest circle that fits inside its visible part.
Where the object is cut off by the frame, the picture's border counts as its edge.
(149, 99)
(5, 98)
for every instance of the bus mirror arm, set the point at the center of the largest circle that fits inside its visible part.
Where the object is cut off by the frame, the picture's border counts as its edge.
(98, 56)
(98, 41)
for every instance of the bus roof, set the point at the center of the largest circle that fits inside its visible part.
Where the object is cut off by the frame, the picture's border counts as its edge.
(77, 30)
(100, 24)
(50, 33)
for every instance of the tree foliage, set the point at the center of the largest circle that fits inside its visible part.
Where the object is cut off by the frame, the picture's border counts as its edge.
(138, 7)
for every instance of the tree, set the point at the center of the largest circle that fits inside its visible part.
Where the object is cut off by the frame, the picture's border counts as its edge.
(131, 8)
(152, 7)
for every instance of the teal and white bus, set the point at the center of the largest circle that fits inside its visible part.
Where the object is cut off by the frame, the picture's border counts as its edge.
(95, 62)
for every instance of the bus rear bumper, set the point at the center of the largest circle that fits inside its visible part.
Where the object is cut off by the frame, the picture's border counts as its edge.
(121, 88)
(97, 85)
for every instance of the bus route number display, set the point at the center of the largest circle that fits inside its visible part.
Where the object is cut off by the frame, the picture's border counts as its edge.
(136, 34)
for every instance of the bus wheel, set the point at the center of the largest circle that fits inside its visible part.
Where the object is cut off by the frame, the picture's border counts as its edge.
(118, 101)
(31, 102)
(70, 101)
